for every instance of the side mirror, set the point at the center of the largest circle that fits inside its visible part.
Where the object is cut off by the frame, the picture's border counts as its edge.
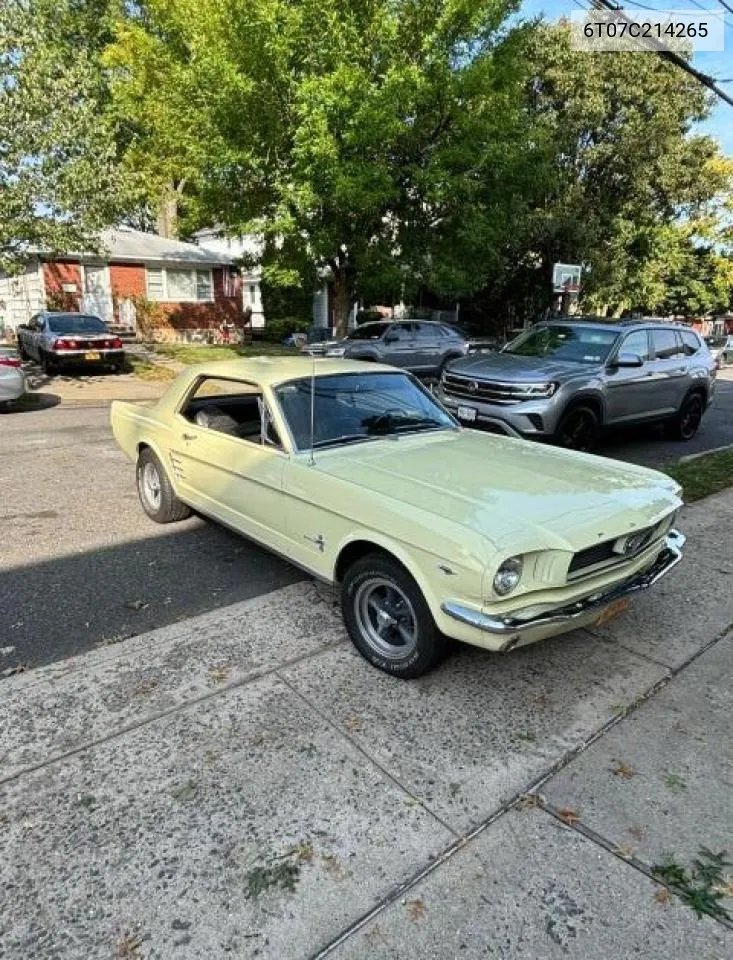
(628, 360)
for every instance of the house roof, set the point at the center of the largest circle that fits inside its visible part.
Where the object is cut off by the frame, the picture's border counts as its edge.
(134, 246)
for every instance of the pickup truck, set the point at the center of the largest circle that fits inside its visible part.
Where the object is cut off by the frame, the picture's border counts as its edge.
(59, 340)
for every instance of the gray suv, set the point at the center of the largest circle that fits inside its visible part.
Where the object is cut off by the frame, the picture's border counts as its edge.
(422, 346)
(567, 380)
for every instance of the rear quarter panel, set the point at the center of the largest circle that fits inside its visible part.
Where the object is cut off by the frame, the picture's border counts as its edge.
(139, 423)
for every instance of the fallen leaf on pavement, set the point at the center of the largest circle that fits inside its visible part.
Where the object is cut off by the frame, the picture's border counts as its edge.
(353, 723)
(662, 895)
(624, 850)
(218, 674)
(137, 604)
(186, 792)
(416, 909)
(624, 770)
(568, 816)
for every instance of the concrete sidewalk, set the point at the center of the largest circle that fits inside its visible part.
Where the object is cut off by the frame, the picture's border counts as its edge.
(242, 784)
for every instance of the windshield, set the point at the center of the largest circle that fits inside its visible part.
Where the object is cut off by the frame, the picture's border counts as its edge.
(368, 331)
(76, 324)
(358, 406)
(565, 342)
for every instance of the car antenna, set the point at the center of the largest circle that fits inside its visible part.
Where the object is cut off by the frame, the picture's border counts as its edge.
(311, 460)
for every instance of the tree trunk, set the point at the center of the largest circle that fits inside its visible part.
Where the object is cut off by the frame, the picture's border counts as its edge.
(341, 300)
(166, 224)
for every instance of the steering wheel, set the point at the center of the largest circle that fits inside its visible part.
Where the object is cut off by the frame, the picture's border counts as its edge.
(387, 414)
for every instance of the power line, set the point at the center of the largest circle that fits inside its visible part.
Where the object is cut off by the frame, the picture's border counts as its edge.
(673, 57)
(727, 6)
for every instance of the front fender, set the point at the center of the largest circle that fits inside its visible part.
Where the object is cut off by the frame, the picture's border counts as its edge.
(437, 577)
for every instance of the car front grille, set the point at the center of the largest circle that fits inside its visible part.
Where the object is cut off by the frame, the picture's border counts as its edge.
(489, 391)
(603, 555)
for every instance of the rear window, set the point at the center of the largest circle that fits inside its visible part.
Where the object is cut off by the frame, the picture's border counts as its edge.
(691, 342)
(665, 345)
(76, 324)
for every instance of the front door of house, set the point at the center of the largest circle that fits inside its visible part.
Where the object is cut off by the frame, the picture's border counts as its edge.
(97, 297)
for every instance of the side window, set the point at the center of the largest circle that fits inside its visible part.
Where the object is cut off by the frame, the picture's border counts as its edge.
(636, 343)
(665, 345)
(690, 342)
(426, 331)
(232, 407)
(403, 331)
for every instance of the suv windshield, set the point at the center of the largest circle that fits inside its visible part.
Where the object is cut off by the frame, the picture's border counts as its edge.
(358, 406)
(76, 324)
(578, 343)
(368, 331)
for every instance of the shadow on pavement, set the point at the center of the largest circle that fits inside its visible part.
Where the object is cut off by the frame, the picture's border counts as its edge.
(61, 607)
(31, 403)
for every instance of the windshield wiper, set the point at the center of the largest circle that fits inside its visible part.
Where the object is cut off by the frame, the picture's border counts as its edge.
(344, 438)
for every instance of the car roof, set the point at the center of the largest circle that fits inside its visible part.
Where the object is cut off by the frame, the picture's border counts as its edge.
(270, 371)
(618, 325)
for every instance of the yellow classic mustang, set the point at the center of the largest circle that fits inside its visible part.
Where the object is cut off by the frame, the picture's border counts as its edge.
(355, 473)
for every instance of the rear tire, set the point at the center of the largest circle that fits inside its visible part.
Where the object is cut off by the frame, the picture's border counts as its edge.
(388, 619)
(688, 420)
(156, 492)
(47, 365)
(579, 429)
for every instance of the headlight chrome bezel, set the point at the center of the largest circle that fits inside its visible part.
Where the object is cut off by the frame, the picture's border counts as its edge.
(508, 576)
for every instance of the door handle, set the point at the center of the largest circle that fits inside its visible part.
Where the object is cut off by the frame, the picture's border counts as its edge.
(189, 436)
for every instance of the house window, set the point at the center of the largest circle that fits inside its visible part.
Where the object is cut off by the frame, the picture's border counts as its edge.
(180, 285)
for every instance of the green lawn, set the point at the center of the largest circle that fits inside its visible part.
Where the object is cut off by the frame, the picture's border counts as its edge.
(704, 475)
(188, 353)
(144, 370)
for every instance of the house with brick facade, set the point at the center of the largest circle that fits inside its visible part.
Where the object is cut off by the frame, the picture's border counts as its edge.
(192, 287)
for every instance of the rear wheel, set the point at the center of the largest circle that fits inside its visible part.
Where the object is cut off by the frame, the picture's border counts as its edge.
(388, 618)
(579, 429)
(688, 420)
(155, 491)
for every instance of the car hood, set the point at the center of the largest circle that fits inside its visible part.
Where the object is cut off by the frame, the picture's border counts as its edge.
(510, 367)
(522, 496)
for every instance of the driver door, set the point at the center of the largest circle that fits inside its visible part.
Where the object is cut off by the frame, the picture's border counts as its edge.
(225, 462)
(630, 394)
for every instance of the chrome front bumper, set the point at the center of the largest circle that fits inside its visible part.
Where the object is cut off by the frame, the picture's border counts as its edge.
(512, 627)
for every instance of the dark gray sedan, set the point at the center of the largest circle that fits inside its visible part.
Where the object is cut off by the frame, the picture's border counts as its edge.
(421, 346)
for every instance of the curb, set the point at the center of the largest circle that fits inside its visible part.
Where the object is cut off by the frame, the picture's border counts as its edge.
(704, 453)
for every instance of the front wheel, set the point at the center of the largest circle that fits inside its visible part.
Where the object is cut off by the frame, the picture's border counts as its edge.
(579, 429)
(156, 492)
(689, 418)
(388, 619)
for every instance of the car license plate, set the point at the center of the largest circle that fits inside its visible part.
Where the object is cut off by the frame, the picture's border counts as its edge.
(612, 611)
(466, 413)
(91, 356)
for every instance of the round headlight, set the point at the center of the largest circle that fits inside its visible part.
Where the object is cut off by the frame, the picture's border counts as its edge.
(508, 576)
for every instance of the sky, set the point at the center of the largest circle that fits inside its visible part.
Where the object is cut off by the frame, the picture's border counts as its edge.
(716, 65)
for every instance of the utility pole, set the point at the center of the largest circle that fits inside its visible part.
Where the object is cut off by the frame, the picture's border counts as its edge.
(670, 55)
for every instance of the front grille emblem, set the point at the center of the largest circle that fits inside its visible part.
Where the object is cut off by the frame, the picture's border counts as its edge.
(473, 386)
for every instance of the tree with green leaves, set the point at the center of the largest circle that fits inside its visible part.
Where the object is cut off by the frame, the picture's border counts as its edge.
(356, 135)
(620, 180)
(59, 184)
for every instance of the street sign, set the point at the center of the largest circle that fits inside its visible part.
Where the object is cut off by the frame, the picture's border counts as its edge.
(566, 277)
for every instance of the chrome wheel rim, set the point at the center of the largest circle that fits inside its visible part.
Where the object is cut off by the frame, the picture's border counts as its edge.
(386, 618)
(151, 485)
(691, 417)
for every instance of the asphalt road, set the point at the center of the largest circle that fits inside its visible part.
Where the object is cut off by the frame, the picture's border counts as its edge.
(81, 565)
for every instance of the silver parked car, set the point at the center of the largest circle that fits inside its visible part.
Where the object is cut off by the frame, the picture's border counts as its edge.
(422, 346)
(567, 380)
(12, 378)
(61, 340)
